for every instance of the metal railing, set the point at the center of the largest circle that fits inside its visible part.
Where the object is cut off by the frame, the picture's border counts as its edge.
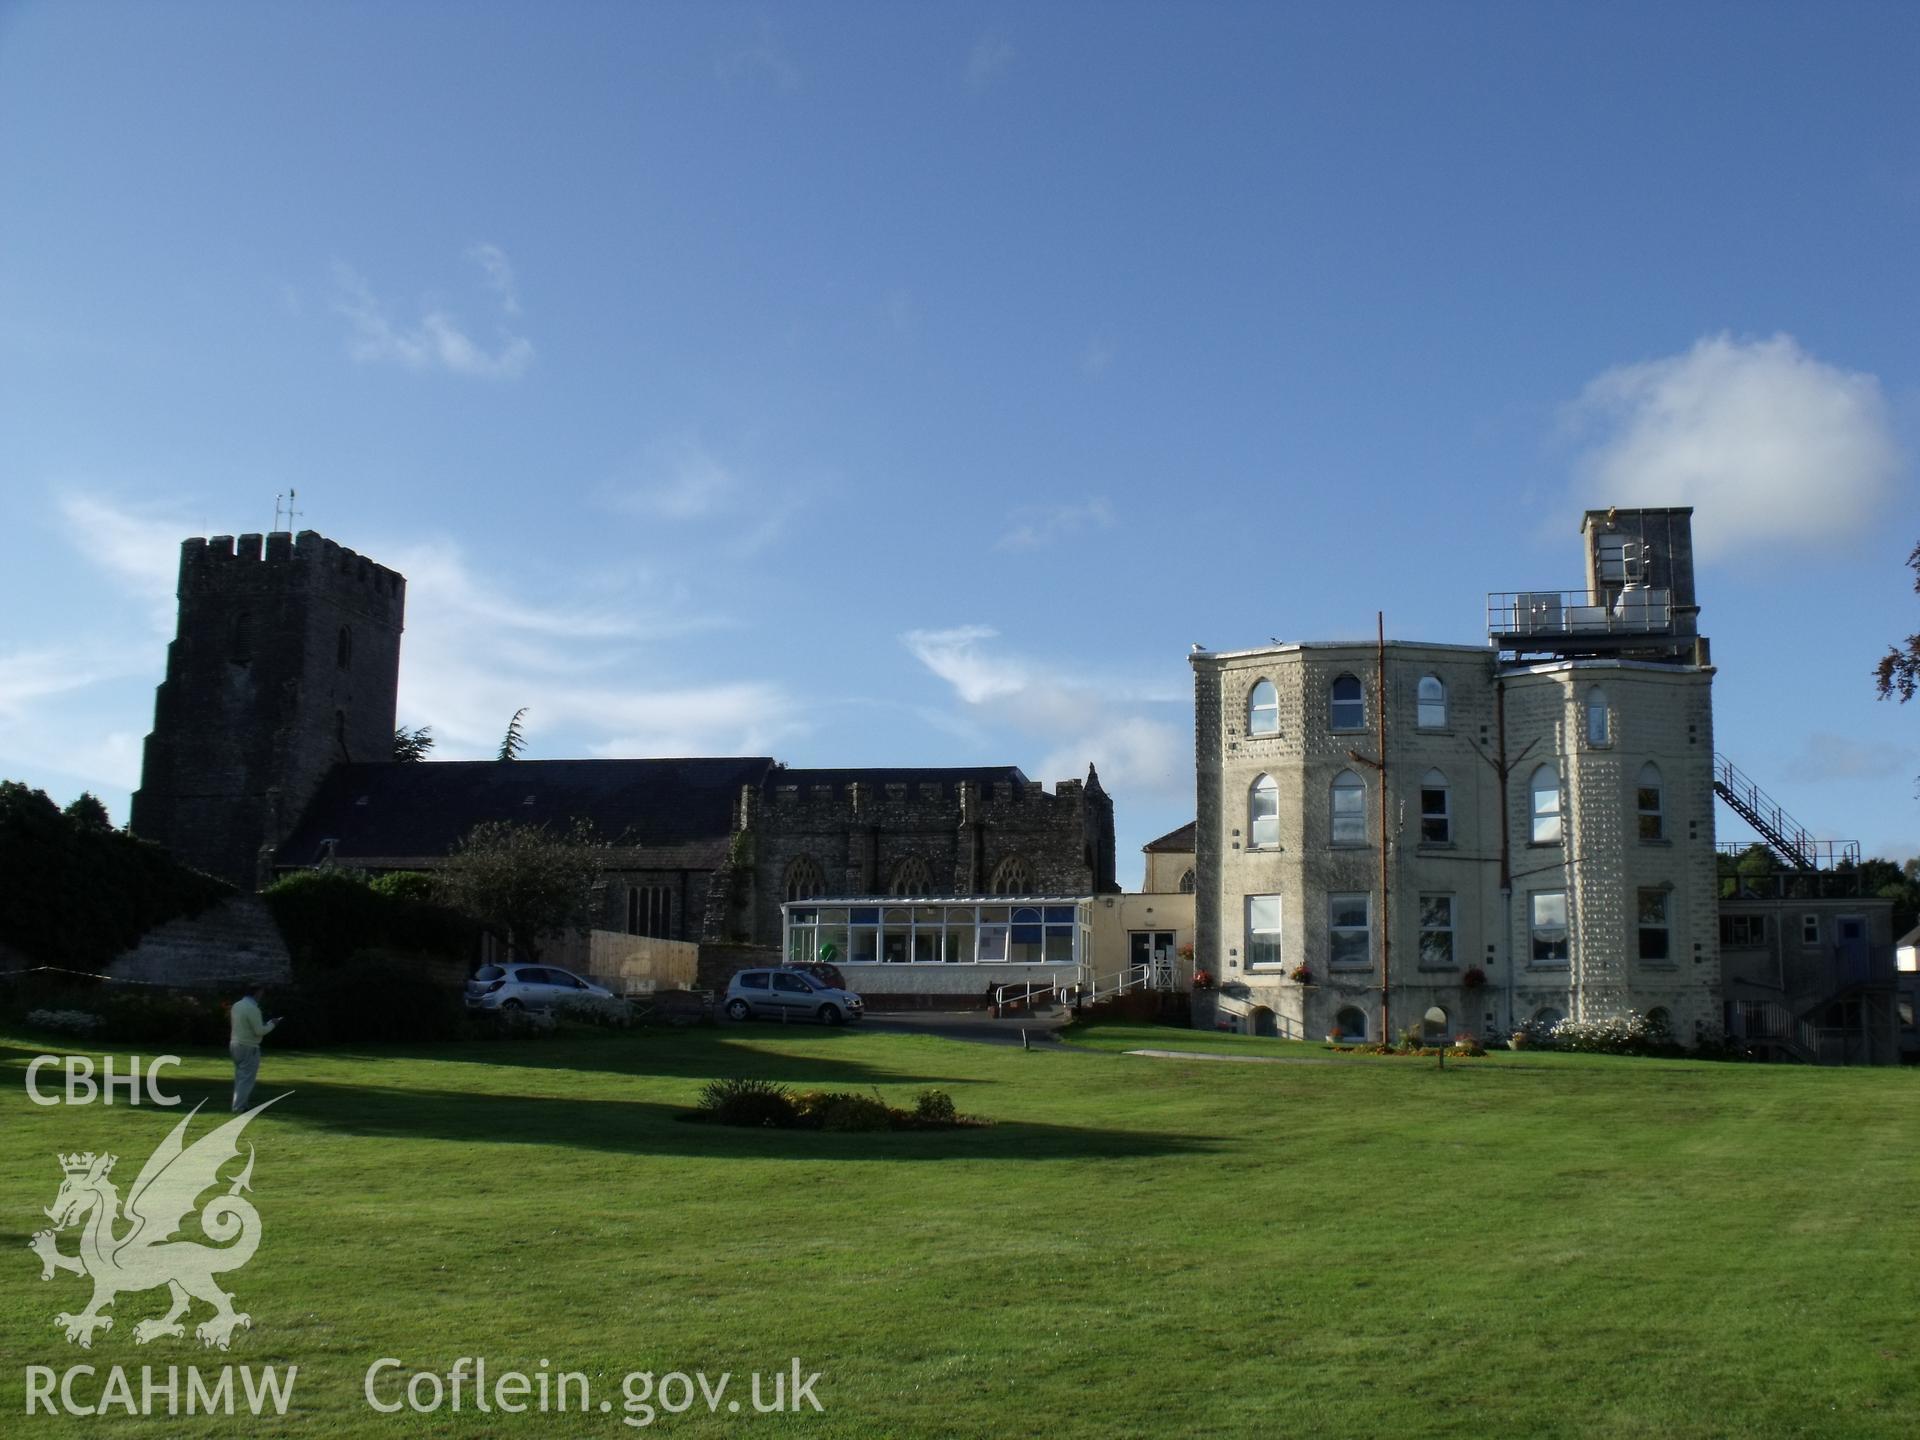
(1555, 614)
(1836, 857)
(1028, 992)
(1791, 840)
(1105, 987)
(1769, 1022)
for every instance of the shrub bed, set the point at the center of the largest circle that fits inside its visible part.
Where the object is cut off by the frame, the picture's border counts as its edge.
(765, 1105)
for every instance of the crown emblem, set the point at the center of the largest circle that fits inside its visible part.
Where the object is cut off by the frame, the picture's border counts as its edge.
(81, 1164)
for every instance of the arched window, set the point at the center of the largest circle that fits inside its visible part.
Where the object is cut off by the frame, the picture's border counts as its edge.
(1433, 1031)
(912, 877)
(1263, 814)
(1544, 805)
(1649, 799)
(1660, 1020)
(1431, 712)
(1263, 710)
(1347, 705)
(1599, 718)
(1186, 883)
(1348, 811)
(1436, 810)
(804, 880)
(1546, 1017)
(1011, 877)
(1351, 1022)
(343, 648)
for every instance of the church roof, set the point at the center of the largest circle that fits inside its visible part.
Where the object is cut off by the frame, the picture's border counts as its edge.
(391, 811)
(1176, 841)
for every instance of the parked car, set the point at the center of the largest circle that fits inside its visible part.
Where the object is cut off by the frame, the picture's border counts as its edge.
(538, 987)
(790, 994)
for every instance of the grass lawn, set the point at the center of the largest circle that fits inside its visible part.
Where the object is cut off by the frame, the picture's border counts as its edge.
(1527, 1245)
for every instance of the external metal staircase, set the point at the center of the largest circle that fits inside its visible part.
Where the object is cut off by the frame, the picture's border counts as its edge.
(1789, 839)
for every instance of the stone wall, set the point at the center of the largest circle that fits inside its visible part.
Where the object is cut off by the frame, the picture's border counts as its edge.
(286, 660)
(1661, 713)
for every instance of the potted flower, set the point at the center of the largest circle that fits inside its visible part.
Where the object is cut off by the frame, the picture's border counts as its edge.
(1301, 975)
(1185, 952)
(1202, 980)
(1473, 978)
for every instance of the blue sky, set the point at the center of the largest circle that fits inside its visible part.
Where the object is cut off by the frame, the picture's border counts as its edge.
(870, 384)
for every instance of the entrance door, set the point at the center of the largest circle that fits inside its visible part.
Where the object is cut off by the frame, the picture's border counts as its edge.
(1154, 950)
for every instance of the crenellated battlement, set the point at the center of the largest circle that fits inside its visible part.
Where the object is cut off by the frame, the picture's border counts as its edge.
(281, 559)
(922, 801)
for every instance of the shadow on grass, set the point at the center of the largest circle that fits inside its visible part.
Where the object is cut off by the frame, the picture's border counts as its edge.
(695, 1053)
(645, 1127)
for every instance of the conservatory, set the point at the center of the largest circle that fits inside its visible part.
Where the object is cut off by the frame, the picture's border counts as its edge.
(944, 946)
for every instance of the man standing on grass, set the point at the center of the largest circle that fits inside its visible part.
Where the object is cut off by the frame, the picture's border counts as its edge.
(249, 1029)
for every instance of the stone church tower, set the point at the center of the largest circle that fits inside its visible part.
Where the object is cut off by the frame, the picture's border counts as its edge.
(286, 661)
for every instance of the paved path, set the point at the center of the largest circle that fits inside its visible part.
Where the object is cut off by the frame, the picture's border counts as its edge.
(1236, 1059)
(974, 1025)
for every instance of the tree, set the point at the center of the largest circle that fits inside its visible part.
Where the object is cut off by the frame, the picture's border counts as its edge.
(412, 745)
(522, 883)
(513, 742)
(88, 812)
(1898, 672)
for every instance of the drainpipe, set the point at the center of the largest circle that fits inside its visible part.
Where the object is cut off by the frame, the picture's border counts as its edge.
(1506, 842)
(1386, 928)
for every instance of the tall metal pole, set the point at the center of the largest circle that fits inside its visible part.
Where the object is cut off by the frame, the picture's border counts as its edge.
(1386, 916)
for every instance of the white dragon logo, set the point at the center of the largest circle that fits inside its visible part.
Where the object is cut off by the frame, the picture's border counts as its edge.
(147, 1255)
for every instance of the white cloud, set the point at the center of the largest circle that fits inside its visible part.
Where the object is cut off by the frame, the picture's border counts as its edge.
(680, 482)
(1768, 444)
(958, 657)
(1826, 756)
(1078, 719)
(763, 59)
(577, 661)
(137, 546)
(989, 60)
(1034, 526)
(27, 676)
(436, 340)
(493, 262)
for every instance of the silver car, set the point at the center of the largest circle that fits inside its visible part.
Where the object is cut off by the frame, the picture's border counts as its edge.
(538, 987)
(790, 995)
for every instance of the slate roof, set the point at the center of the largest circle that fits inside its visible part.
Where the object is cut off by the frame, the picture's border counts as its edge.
(1176, 841)
(389, 810)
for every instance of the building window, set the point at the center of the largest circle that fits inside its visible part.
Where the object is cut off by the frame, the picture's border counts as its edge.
(1349, 936)
(1347, 708)
(343, 648)
(1430, 713)
(1263, 710)
(803, 879)
(1349, 809)
(1599, 718)
(1351, 1022)
(1011, 877)
(1810, 930)
(1263, 932)
(1186, 883)
(1436, 932)
(1661, 1020)
(1544, 790)
(1649, 798)
(1545, 1018)
(1436, 810)
(1654, 938)
(1548, 918)
(1743, 932)
(1263, 814)
(650, 911)
(912, 877)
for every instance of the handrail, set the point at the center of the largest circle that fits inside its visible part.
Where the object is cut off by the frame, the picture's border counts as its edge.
(1635, 610)
(1792, 841)
(1028, 990)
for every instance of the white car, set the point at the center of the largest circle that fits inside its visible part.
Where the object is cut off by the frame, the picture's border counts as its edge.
(790, 995)
(538, 987)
